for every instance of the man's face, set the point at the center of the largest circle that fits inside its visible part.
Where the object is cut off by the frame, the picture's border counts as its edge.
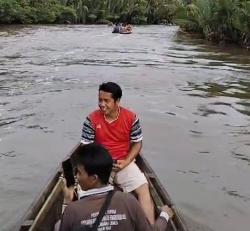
(86, 181)
(106, 103)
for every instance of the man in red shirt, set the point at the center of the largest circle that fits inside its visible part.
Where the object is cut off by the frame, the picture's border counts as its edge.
(119, 130)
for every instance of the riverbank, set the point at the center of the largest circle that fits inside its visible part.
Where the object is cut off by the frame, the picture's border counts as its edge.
(82, 11)
(222, 22)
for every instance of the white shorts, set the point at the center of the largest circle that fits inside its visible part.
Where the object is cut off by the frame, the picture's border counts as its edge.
(129, 178)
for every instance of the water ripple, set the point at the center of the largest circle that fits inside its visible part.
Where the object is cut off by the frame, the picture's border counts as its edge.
(235, 193)
(10, 120)
(8, 154)
(242, 153)
(44, 129)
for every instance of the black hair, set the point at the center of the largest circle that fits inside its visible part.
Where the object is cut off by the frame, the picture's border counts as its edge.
(112, 88)
(96, 160)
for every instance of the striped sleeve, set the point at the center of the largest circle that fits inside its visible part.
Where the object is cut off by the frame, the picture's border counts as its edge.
(136, 132)
(88, 132)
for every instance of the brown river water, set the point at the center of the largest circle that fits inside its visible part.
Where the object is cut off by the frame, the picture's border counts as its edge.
(193, 100)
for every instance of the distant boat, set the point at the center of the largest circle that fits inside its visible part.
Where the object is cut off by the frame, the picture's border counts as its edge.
(122, 29)
(126, 32)
(46, 209)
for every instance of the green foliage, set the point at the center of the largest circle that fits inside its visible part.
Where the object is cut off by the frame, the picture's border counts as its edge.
(220, 20)
(9, 11)
(65, 14)
(92, 18)
(35, 11)
(28, 15)
(87, 11)
(158, 10)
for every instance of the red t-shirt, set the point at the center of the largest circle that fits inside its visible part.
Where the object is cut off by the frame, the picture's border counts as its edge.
(114, 136)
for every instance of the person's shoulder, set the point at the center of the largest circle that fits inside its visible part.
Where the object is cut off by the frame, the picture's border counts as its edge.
(128, 112)
(123, 196)
(73, 206)
(94, 114)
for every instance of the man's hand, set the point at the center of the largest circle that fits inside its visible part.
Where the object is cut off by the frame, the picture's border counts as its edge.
(167, 210)
(119, 165)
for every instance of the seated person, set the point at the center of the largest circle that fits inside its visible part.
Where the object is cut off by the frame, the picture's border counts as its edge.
(118, 129)
(128, 28)
(116, 28)
(123, 212)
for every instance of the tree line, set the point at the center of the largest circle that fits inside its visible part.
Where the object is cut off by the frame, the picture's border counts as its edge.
(87, 11)
(216, 20)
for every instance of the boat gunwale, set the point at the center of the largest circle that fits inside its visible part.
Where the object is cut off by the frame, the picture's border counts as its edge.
(162, 193)
(42, 196)
(177, 222)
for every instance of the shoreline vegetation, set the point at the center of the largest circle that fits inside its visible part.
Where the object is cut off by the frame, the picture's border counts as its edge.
(87, 11)
(220, 21)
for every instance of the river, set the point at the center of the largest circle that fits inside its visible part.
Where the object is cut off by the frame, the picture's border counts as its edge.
(193, 100)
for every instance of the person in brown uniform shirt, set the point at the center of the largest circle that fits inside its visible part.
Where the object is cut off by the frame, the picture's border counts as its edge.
(93, 166)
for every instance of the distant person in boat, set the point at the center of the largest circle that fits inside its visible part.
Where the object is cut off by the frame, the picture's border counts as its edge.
(118, 129)
(102, 208)
(116, 28)
(126, 28)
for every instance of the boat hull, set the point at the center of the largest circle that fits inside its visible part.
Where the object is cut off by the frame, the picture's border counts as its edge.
(45, 211)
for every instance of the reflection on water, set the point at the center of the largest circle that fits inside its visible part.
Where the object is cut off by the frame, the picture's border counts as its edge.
(239, 90)
(10, 120)
(193, 99)
(234, 193)
(8, 154)
(242, 152)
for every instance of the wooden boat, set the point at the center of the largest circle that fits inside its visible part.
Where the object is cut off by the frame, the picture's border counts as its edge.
(45, 211)
(126, 32)
(122, 32)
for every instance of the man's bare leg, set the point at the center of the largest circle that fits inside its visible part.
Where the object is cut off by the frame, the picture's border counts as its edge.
(146, 202)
